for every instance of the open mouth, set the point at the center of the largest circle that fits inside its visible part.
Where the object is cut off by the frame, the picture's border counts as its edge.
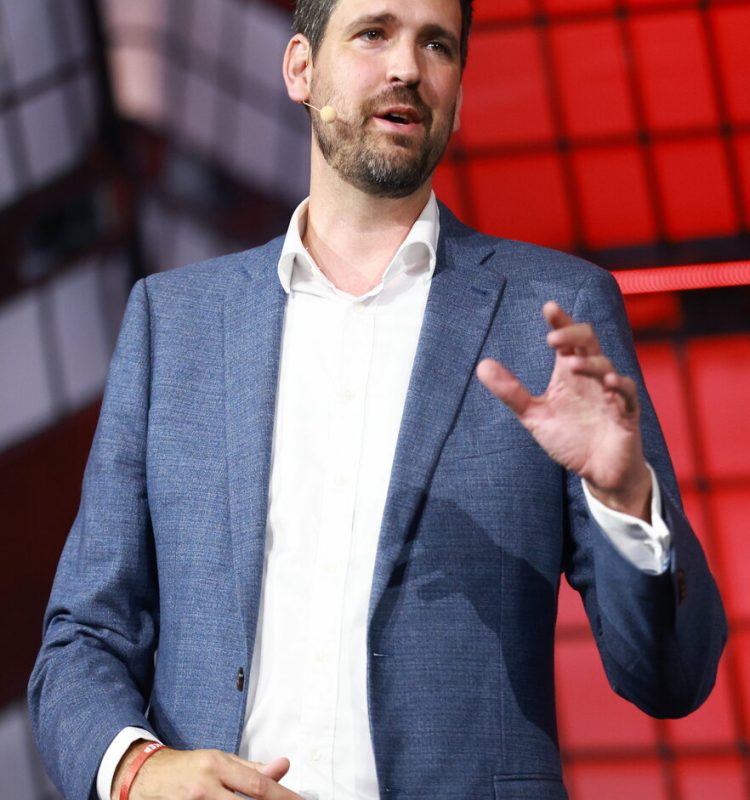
(399, 119)
(404, 116)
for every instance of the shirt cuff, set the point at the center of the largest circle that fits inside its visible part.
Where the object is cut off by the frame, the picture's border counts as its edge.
(112, 756)
(645, 546)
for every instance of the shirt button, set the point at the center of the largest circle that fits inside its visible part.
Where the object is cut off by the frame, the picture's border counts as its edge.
(348, 395)
(330, 568)
(315, 755)
(322, 657)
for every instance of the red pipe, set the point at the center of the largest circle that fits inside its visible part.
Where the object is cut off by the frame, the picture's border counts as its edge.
(676, 279)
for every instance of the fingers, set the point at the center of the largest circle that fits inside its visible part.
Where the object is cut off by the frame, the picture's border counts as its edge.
(258, 780)
(625, 388)
(568, 336)
(597, 366)
(504, 385)
(275, 769)
(555, 316)
(211, 774)
(579, 339)
(602, 369)
(578, 344)
(243, 778)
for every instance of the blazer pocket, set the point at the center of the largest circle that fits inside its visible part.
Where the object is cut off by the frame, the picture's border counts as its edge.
(493, 450)
(529, 787)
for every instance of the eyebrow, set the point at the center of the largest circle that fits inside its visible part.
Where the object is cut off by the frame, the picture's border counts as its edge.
(370, 19)
(435, 31)
(429, 31)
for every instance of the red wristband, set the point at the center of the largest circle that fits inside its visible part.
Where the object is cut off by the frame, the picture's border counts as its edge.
(135, 766)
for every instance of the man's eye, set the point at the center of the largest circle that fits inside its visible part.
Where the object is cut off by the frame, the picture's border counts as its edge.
(371, 35)
(438, 47)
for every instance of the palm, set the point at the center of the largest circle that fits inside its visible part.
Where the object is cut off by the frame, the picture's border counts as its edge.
(583, 426)
(588, 418)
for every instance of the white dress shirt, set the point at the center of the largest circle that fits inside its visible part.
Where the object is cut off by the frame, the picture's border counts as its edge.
(345, 368)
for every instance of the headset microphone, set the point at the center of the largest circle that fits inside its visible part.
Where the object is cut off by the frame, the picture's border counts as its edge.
(327, 113)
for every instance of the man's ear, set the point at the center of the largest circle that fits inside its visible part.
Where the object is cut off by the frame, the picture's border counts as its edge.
(459, 104)
(296, 69)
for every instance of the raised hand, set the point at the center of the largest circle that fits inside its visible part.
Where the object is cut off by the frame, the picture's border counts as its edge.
(205, 775)
(588, 419)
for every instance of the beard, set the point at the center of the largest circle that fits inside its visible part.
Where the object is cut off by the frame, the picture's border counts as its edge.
(394, 168)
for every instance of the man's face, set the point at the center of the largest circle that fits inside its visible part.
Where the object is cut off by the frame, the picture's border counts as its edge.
(392, 71)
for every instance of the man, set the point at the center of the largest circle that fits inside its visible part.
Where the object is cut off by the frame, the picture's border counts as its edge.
(315, 556)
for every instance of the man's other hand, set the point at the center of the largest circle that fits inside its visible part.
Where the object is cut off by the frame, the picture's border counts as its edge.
(588, 419)
(202, 775)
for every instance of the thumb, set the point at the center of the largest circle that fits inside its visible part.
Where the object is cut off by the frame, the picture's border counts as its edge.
(504, 385)
(275, 769)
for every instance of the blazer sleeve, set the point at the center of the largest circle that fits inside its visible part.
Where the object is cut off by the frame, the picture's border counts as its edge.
(660, 636)
(93, 674)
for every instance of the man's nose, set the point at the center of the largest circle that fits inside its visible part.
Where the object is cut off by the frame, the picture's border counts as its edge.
(403, 66)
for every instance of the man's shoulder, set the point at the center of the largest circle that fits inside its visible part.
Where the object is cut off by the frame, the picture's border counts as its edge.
(522, 263)
(216, 275)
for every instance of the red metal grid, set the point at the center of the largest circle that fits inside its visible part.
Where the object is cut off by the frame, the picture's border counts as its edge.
(730, 509)
(445, 183)
(740, 645)
(521, 198)
(662, 311)
(672, 63)
(706, 778)
(592, 716)
(693, 501)
(731, 27)
(571, 618)
(492, 11)
(719, 373)
(591, 75)
(556, 7)
(741, 146)
(711, 725)
(661, 372)
(505, 98)
(695, 189)
(647, 5)
(614, 197)
(639, 779)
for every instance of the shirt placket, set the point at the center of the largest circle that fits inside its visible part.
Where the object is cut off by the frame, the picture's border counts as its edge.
(346, 421)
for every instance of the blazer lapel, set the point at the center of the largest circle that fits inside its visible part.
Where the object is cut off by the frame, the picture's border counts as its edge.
(253, 325)
(463, 298)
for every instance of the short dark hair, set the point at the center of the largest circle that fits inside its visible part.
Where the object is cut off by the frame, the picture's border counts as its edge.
(311, 20)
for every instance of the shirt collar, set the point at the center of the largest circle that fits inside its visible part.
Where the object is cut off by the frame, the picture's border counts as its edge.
(417, 254)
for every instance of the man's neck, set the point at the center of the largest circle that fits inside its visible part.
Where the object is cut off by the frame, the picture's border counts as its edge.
(354, 236)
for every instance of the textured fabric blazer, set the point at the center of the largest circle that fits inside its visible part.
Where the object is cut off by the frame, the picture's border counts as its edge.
(155, 603)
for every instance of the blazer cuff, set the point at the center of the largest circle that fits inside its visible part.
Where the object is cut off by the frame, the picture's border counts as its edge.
(647, 547)
(112, 756)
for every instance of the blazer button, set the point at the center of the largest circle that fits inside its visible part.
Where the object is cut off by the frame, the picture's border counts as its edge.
(240, 679)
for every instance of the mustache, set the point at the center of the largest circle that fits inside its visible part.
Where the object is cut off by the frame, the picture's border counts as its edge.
(395, 96)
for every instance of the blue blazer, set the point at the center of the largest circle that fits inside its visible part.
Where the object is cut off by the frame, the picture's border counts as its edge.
(155, 604)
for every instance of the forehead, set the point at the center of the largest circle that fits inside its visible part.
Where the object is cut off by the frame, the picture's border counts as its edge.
(415, 13)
